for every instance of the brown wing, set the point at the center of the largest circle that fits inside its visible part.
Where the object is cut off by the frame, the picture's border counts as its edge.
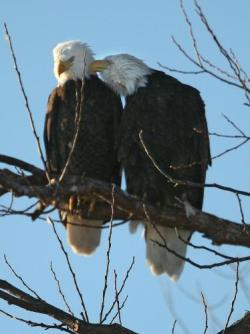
(49, 131)
(95, 150)
(172, 118)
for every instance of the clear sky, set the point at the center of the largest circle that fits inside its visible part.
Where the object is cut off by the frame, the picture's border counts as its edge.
(144, 29)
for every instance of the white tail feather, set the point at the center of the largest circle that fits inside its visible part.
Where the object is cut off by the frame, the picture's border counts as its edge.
(133, 225)
(82, 239)
(160, 260)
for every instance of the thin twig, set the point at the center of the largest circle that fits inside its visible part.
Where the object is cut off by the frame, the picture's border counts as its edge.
(85, 314)
(233, 63)
(78, 118)
(203, 266)
(117, 298)
(234, 125)
(241, 210)
(180, 71)
(195, 46)
(37, 324)
(120, 290)
(21, 279)
(189, 243)
(15, 296)
(188, 260)
(187, 182)
(119, 310)
(238, 78)
(60, 290)
(206, 70)
(26, 100)
(228, 136)
(21, 164)
(233, 148)
(107, 258)
(173, 327)
(205, 310)
(234, 298)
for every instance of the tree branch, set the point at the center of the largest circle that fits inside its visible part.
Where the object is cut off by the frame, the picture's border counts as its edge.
(219, 230)
(21, 299)
(241, 326)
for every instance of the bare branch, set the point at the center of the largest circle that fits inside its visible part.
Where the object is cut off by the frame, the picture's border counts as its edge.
(120, 290)
(119, 309)
(241, 209)
(21, 279)
(197, 265)
(107, 257)
(26, 100)
(21, 164)
(220, 231)
(173, 328)
(78, 118)
(180, 71)
(60, 290)
(36, 324)
(186, 182)
(233, 148)
(17, 297)
(205, 310)
(234, 298)
(241, 326)
(85, 315)
(234, 125)
(117, 299)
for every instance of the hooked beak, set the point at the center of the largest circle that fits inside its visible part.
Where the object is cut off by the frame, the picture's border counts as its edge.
(98, 66)
(63, 66)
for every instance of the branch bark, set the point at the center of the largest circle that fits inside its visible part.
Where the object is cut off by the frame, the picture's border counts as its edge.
(15, 296)
(241, 326)
(219, 230)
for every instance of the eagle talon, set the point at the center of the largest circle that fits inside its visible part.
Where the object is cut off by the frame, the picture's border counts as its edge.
(72, 203)
(92, 206)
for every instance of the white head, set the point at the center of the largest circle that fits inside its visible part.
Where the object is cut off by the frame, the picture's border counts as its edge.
(71, 61)
(123, 73)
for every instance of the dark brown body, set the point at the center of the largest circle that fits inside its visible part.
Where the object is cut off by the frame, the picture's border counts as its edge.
(95, 153)
(172, 119)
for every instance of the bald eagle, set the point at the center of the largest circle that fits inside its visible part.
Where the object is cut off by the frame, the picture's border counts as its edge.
(171, 117)
(81, 94)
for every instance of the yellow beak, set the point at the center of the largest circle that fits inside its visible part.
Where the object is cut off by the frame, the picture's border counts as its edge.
(98, 66)
(63, 66)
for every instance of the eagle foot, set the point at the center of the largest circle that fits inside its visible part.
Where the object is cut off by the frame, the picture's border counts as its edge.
(72, 203)
(92, 206)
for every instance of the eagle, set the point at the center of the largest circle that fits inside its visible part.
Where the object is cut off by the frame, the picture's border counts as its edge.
(163, 128)
(81, 123)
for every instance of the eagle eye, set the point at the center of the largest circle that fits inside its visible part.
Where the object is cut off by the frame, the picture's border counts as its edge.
(71, 59)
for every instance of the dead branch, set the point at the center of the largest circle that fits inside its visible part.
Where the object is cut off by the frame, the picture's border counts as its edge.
(117, 298)
(21, 164)
(84, 313)
(37, 139)
(15, 296)
(219, 230)
(60, 289)
(236, 76)
(234, 298)
(206, 314)
(118, 293)
(21, 279)
(241, 326)
(105, 287)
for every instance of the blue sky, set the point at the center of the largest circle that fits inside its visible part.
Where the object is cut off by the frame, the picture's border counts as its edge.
(144, 29)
